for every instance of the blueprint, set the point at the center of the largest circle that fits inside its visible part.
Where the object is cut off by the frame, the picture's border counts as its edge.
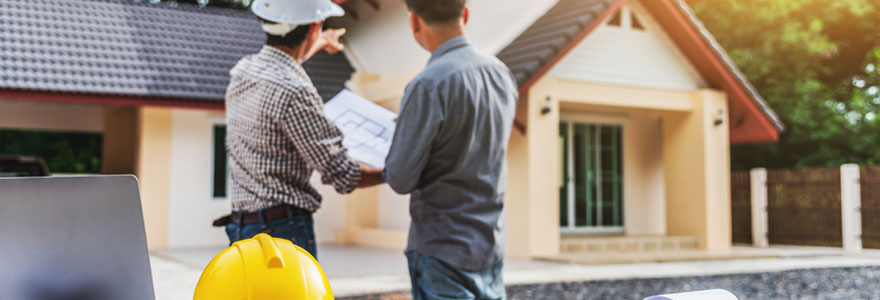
(367, 128)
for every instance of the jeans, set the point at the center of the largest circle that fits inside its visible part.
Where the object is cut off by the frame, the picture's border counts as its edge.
(433, 279)
(299, 229)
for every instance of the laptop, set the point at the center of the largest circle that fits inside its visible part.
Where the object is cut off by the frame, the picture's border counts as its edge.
(73, 238)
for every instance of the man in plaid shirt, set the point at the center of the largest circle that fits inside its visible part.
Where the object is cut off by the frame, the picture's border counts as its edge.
(277, 134)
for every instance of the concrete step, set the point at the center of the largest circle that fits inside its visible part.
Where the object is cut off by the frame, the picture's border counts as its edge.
(629, 244)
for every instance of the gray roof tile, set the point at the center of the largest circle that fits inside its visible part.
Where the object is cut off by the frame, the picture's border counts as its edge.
(120, 47)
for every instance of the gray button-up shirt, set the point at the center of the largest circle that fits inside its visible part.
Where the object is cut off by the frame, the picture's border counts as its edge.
(450, 152)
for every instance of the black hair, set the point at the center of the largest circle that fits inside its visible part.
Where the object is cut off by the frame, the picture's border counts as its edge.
(292, 39)
(437, 11)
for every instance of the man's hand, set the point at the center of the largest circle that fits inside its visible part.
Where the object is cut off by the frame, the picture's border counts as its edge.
(328, 41)
(370, 176)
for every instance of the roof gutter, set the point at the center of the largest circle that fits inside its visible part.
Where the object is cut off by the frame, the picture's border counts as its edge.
(111, 100)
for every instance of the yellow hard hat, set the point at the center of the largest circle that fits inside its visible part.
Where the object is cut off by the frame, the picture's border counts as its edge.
(263, 268)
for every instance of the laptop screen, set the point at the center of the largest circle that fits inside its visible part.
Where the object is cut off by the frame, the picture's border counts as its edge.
(73, 238)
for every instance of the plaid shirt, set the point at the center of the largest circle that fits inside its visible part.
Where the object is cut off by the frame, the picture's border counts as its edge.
(277, 135)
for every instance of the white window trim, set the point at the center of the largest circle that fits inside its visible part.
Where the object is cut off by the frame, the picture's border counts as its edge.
(594, 119)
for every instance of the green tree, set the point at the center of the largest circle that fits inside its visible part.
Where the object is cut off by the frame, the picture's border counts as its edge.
(816, 62)
(64, 152)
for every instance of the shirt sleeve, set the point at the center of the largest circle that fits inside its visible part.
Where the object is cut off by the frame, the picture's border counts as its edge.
(319, 141)
(418, 123)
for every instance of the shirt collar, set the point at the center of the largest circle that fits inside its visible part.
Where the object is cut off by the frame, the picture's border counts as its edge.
(276, 55)
(448, 46)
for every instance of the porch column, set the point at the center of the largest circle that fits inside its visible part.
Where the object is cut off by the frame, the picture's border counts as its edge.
(696, 155)
(120, 140)
(153, 172)
(532, 202)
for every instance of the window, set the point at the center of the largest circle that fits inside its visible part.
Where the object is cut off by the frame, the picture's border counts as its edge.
(626, 18)
(221, 172)
(64, 152)
(636, 24)
(591, 196)
(615, 21)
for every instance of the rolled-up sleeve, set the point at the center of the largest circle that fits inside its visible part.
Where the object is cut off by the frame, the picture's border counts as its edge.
(319, 141)
(419, 120)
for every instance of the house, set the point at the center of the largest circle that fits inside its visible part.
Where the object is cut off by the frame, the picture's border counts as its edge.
(626, 116)
(627, 113)
(150, 79)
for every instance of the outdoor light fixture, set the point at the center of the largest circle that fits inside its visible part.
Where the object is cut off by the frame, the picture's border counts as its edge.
(720, 118)
(547, 109)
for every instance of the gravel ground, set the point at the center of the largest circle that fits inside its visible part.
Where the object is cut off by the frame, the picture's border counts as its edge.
(819, 284)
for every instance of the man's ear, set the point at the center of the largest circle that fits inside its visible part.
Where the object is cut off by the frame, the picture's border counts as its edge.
(414, 23)
(465, 15)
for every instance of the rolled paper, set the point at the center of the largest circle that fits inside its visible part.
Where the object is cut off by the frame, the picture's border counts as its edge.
(702, 295)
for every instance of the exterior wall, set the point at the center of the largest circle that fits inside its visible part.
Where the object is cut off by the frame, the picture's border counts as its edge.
(625, 56)
(330, 219)
(175, 167)
(644, 196)
(192, 208)
(120, 140)
(153, 170)
(532, 204)
(676, 159)
(696, 153)
(644, 199)
(393, 210)
(30, 115)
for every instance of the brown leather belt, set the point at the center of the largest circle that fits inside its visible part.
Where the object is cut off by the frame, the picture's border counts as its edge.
(270, 214)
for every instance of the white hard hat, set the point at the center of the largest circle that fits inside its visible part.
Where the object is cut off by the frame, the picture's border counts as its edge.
(296, 12)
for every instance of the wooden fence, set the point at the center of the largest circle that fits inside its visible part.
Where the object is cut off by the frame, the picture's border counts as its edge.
(870, 193)
(803, 207)
(741, 206)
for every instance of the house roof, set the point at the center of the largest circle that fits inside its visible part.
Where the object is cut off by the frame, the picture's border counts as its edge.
(531, 55)
(173, 53)
(561, 26)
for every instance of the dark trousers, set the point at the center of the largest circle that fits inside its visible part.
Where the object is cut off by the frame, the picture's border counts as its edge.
(433, 279)
(298, 228)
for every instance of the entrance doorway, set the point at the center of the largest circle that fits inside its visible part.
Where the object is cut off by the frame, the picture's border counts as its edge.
(591, 193)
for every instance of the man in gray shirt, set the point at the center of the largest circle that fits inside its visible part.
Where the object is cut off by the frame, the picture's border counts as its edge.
(450, 153)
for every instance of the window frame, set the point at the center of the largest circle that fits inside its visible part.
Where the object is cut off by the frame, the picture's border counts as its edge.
(595, 120)
(214, 125)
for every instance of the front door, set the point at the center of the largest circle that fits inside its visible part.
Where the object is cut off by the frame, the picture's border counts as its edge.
(591, 194)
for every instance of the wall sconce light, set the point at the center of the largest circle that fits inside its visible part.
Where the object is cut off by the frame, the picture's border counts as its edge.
(547, 109)
(719, 119)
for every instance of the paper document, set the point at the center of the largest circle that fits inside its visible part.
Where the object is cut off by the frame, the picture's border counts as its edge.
(367, 128)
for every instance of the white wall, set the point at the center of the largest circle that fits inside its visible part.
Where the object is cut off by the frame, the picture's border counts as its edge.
(51, 116)
(380, 42)
(625, 56)
(644, 208)
(330, 219)
(191, 204)
(393, 209)
(644, 185)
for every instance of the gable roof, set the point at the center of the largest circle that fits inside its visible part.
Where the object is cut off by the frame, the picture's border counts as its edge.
(175, 54)
(531, 55)
(562, 26)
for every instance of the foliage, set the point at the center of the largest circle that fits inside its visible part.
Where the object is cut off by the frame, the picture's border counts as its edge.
(817, 62)
(64, 152)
